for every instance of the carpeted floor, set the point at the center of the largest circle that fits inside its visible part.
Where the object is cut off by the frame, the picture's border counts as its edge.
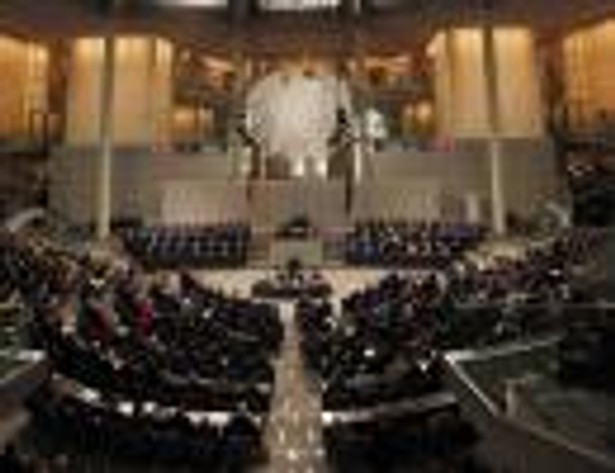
(294, 433)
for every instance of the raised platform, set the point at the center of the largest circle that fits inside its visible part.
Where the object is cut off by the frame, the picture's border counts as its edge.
(397, 183)
(327, 203)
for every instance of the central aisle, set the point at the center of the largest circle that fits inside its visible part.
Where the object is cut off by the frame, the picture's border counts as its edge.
(294, 433)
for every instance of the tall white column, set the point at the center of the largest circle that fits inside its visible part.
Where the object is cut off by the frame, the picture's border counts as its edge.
(498, 200)
(236, 144)
(477, 102)
(107, 93)
(449, 87)
(361, 152)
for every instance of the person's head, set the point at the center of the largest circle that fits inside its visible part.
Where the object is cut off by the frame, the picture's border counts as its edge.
(293, 265)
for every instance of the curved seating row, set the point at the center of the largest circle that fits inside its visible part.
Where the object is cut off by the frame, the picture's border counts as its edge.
(162, 438)
(187, 349)
(222, 245)
(377, 359)
(399, 243)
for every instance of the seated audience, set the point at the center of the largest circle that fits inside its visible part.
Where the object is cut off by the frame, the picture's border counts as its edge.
(78, 422)
(377, 359)
(398, 243)
(159, 366)
(147, 340)
(222, 245)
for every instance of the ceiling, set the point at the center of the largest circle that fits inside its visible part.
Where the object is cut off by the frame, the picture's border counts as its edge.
(378, 25)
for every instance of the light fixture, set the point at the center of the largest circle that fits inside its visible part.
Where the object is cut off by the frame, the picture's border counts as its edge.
(193, 3)
(298, 5)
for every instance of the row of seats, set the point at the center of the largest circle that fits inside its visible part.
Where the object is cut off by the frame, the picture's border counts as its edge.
(438, 441)
(381, 352)
(360, 365)
(140, 380)
(23, 270)
(194, 347)
(222, 245)
(410, 316)
(172, 439)
(143, 339)
(399, 243)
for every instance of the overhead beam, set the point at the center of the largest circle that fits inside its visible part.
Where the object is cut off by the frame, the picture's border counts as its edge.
(411, 23)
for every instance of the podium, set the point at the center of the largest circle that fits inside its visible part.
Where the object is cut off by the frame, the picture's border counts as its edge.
(309, 251)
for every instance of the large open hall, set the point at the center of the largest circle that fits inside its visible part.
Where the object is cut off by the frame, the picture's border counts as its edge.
(307, 236)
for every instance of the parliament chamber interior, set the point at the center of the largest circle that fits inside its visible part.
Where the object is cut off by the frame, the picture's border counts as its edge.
(307, 236)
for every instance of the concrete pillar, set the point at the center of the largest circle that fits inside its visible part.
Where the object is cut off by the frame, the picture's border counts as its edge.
(488, 91)
(498, 200)
(120, 98)
(104, 169)
(360, 150)
(448, 81)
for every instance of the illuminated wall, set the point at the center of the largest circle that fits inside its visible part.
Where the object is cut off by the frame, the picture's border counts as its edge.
(143, 92)
(589, 62)
(461, 89)
(23, 88)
